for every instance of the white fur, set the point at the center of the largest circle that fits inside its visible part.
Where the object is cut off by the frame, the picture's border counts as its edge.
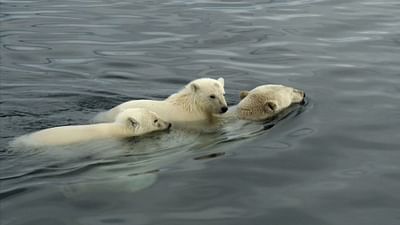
(264, 102)
(131, 122)
(191, 107)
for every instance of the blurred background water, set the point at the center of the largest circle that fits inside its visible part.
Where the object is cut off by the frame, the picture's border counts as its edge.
(333, 161)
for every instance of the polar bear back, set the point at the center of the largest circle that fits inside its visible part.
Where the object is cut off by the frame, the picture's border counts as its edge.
(131, 122)
(69, 134)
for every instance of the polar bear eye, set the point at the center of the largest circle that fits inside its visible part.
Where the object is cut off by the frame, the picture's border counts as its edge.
(212, 96)
(155, 121)
(270, 106)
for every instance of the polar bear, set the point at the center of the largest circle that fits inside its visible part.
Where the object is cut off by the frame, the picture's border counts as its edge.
(264, 102)
(195, 106)
(131, 122)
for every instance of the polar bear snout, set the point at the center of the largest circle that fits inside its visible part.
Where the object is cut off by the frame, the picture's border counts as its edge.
(303, 101)
(299, 96)
(302, 93)
(224, 109)
(163, 125)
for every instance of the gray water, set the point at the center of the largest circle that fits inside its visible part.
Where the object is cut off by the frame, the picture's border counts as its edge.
(334, 160)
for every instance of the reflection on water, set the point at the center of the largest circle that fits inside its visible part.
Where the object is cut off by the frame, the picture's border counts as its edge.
(333, 161)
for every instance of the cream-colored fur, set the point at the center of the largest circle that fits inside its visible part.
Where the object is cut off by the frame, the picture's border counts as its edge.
(131, 122)
(264, 102)
(197, 104)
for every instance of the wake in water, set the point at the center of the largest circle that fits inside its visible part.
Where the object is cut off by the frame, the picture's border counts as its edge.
(124, 166)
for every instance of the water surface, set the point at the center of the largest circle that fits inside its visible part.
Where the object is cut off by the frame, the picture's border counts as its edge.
(332, 161)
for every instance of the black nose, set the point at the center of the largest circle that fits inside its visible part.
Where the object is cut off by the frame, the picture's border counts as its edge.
(303, 101)
(224, 109)
(169, 125)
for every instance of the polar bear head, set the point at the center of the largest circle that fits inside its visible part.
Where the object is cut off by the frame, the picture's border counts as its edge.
(264, 102)
(141, 121)
(208, 95)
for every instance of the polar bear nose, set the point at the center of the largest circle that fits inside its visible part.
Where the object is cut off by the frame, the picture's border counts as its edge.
(169, 125)
(224, 109)
(303, 100)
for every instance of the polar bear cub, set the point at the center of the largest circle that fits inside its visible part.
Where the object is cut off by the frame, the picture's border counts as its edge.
(197, 104)
(265, 102)
(131, 122)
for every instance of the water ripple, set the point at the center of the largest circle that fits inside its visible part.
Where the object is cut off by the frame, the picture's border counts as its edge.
(282, 17)
(6, 33)
(76, 25)
(9, 18)
(345, 39)
(141, 42)
(25, 48)
(119, 53)
(38, 12)
(64, 71)
(216, 52)
(243, 64)
(64, 61)
(8, 193)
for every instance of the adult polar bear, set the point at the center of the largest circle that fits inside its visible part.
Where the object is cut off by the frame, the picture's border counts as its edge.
(129, 123)
(197, 105)
(264, 102)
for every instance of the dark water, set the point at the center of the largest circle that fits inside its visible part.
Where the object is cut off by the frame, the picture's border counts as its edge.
(333, 161)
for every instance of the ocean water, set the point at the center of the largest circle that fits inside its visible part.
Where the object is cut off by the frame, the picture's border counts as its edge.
(333, 161)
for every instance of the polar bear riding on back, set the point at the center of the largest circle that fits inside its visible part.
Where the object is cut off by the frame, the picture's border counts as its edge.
(198, 104)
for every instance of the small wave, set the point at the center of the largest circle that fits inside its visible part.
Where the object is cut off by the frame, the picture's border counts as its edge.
(9, 18)
(243, 64)
(64, 71)
(76, 25)
(141, 42)
(345, 39)
(37, 12)
(72, 60)
(11, 192)
(216, 52)
(26, 48)
(282, 17)
(119, 53)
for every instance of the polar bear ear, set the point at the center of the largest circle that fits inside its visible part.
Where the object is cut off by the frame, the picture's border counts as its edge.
(133, 122)
(194, 87)
(270, 106)
(221, 81)
(243, 94)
